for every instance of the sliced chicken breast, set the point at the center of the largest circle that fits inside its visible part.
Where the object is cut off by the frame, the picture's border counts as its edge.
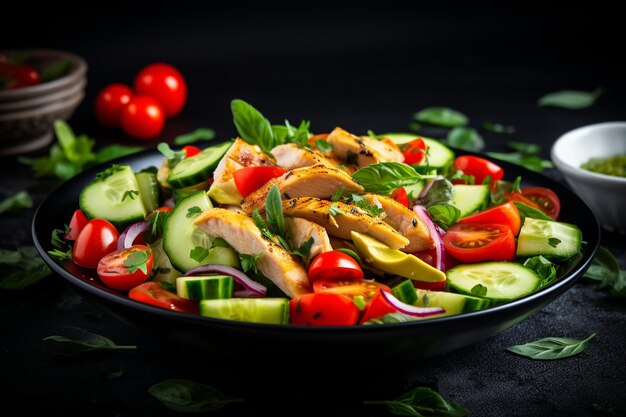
(290, 156)
(362, 151)
(301, 230)
(239, 230)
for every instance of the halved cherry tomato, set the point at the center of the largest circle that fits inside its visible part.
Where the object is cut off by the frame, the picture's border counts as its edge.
(323, 309)
(366, 288)
(519, 197)
(378, 307)
(250, 179)
(334, 265)
(475, 242)
(191, 150)
(400, 195)
(142, 118)
(154, 294)
(166, 84)
(415, 152)
(79, 220)
(505, 213)
(545, 199)
(480, 168)
(124, 269)
(110, 102)
(97, 239)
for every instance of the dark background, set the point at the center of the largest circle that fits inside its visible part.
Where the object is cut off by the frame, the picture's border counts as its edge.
(361, 68)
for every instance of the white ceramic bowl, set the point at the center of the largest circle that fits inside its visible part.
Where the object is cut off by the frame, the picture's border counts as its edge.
(605, 194)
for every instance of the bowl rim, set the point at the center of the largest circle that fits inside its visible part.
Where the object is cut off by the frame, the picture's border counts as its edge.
(7, 107)
(66, 102)
(568, 168)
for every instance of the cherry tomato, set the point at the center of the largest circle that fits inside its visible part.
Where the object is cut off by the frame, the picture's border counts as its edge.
(366, 288)
(505, 213)
(13, 76)
(97, 239)
(191, 150)
(79, 220)
(110, 102)
(400, 195)
(480, 168)
(378, 307)
(124, 269)
(323, 310)
(475, 242)
(166, 84)
(415, 152)
(154, 294)
(519, 197)
(143, 118)
(334, 265)
(545, 199)
(250, 179)
(319, 136)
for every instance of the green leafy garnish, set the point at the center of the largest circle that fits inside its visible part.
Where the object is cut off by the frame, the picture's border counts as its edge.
(131, 194)
(249, 262)
(502, 188)
(187, 396)
(526, 155)
(422, 402)
(365, 205)
(334, 210)
(196, 135)
(554, 242)
(305, 248)
(445, 215)
(385, 177)
(274, 211)
(479, 290)
(198, 253)
(465, 138)
(156, 223)
(84, 342)
(193, 211)
(606, 270)
(571, 99)
(498, 128)
(551, 348)
(337, 194)
(173, 157)
(62, 249)
(218, 242)
(527, 211)
(21, 268)
(252, 126)
(441, 192)
(103, 175)
(138, 260)
(542, 267)
(441, 116)
(262, 225)
(16, 203)
(55, 70)
(323, 145)
(524, 147)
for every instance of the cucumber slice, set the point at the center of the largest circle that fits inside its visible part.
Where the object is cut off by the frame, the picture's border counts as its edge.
(113, 196)
(198, 168)
(439, 155)
(181, 236)
(453, 303)
(414, 190)
(554, 240)
(162, 267)
(405, 292)
(148, 189)
(256, 310)
(504, 281)
(205, 287)
(470, 198)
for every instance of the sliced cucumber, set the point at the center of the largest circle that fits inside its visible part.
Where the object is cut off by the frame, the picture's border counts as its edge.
(405, 292)
(255, 310)
(504, 281)
(554, 240)
(414, 190)
(114, 196)
(148, 189)
(205, 287)
(198, 168)
(439, 155)
(162, 269)
(181, 236)
(470, 198)
(453, 303)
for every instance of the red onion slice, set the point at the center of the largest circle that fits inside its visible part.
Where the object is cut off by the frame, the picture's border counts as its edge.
(251, 288)
(128, 236)
(436, 233)
(411, 310)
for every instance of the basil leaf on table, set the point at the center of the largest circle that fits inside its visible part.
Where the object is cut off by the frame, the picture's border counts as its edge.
(606, 270)
(252, 126)
(422, 402)
(571, 99)
(189, 396)
(16, 203)
(384, 177)
(441, 116)
(465, 138)
(524, 147)
(551, 348)
(498, 128)
(84, 342)
(531, 162)
(196, 135)
(21, 268)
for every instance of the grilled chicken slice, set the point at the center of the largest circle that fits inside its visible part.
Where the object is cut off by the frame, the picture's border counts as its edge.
(362, 151)
(301, 230)
(347, 219)
(405, 221)
(239, 230)
(318, 181)
(290, 156)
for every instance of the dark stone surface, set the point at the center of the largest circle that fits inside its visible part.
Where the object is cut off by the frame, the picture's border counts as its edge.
(361, 69)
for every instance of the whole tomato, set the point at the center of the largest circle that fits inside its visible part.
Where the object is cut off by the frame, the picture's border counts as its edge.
(110, 102)
(166, 84)
(143, 118)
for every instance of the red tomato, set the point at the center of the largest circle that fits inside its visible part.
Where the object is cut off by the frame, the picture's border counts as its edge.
(118, 271)
(166, 84)
(366, 288)
(334, 265)
(505, 213)
(476, 242)
(313, 138)
(250, 179)
(18, 76)
(480, 168)
(415, 152)
(377, 308)
(143, 118)
(323, 310)
(97, 239)
(154, 294)
(191, 150)
(519, 197)
(110, 102)
(400, 195)
(545, 199)
(79, 220)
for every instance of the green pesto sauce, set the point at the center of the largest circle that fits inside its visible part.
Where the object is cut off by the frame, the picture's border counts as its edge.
(613, 165)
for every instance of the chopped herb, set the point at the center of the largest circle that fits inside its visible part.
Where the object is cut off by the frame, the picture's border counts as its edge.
(173, 157)
(196, 135)
(498, 128)
(114, 374)
(130, 194)
(334, 210)
(21, 268)
(366, 206)
(187, 396)
(305, 248)
(479, 290)
(465, 138)
(103, 175)
(156, 223)
(526, 155)
(193, 212)
(391, 318)
(84, 342)
(16, 203)
(554, 242)
(138, 260)
(571, 99)
(422, 402)
(63, 250)
(551, 348)
(441, 116)
(218, 242)
(262, 225)
(249, 262)
(323, 145)
(198, 253)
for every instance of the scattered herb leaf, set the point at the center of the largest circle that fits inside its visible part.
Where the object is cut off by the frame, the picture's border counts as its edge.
(465, 138)
(606, 270)
(21, 268)
(196, 135)
(16, 203)
(305, 248)
(54, 70)
(249, 262)
(445, 215)
(441, 192)
(551, 348)
(131, 194)
(84, 342)
(571, 99)
(498, 128)
(274, 211)
(337, 194)
(532, 162)
(391, 318)
(421, 402)
(527, 211)
(441, 116)
(359, 302)
(334, 210)
(366, 206)
(524, 147)
(191, 397)
(156, 223)
(115, 374)
(173, 157)
(323, 145)
(218, 242)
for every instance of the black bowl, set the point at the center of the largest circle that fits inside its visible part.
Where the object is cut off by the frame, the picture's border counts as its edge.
(405, 341)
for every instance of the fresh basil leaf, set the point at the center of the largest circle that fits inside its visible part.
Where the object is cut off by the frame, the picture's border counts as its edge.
(300, 135)
(84, 342)
(384, 177)
(115, 151)
(441, 192)
(498, 128)
(606, 270)
(262, 225)
(551, 348)
(252, 126)
(444, 215)
(531, 162)
(196, 135)
(441, 116)
(274, 211)
(527, 211)
(54, 70)
(191, 397)
(460, 175)
(414, 126)
(351, 253)
(465, 138)
(542, 267)
(249, 262)
(502, 188)
(21, 268)
(114, 374)
(198, 253)
(281, 133)
(173, 157)
(138, 260)
(337, 194)
(422, 402)
(479, 290)
(16, 203)
(323, 145)
(571, 99)
(524, 148)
